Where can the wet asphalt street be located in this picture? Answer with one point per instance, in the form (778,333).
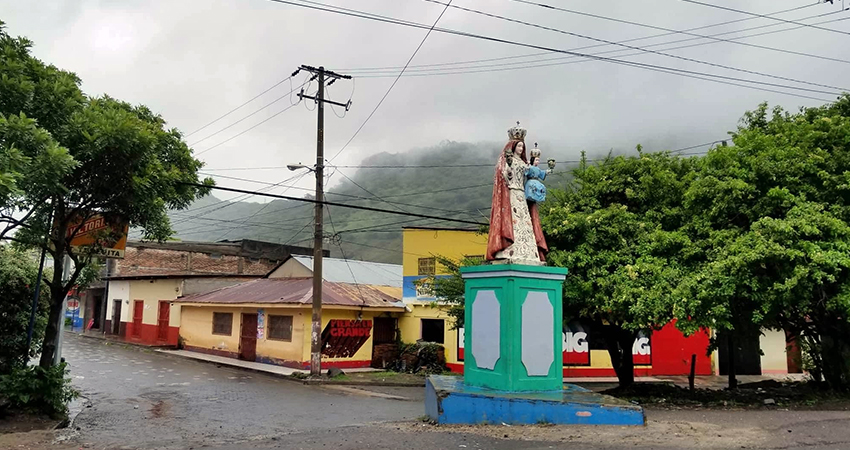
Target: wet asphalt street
(140,399)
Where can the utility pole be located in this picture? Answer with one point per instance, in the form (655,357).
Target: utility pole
(66,274)
(318,238)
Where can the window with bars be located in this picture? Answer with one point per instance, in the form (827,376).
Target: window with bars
(222,323)
(280,328)
(427,266)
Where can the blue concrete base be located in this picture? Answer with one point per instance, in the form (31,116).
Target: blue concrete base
(449,400)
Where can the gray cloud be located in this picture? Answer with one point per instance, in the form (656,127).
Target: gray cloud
(193,60)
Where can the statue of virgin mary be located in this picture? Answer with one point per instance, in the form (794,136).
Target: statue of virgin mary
(515,233)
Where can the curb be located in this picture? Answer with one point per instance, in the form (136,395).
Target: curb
(124,343)
(360,383)
(296,379)
(240,368)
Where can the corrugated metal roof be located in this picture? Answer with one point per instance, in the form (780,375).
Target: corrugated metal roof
(365,272)
(300,291)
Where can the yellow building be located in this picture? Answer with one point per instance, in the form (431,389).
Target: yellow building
(269,319)
(426,320)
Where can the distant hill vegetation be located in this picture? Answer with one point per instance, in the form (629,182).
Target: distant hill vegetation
(455,192)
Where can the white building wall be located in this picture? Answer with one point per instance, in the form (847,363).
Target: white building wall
(119,290)
(773,348)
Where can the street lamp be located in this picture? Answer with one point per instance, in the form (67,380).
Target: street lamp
(299,166)
(316,328)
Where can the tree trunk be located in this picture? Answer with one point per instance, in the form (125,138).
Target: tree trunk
(619,343)
(57,297)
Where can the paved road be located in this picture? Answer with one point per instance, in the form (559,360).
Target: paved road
(143,399)
(152,400)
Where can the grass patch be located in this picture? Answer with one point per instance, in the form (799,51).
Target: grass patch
(382,377)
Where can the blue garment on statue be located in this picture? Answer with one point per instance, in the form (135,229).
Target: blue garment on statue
(535,191)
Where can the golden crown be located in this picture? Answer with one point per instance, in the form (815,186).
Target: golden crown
(516,133)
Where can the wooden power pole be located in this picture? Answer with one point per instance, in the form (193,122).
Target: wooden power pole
(318,238)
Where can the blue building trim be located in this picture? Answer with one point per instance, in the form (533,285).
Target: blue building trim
(409,288)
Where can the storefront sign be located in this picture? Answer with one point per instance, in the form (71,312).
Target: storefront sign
(98,237)
(342,338)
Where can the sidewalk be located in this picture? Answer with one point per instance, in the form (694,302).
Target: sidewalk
(714,382)
(601,383)
(269,369)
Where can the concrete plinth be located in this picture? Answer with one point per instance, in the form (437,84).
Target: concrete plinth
(513,327)
(449,401)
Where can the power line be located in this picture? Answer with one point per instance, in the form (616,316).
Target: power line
(409,60)
(542,5)
(604,45)
(240,106)
(355,197)
(342,205)
(342,252)
(369,192)
(631,47)
(725,8)
(233,201)
(261,209)
(521,65)
(399,166)
(246,117)
(652,67)
(247,130)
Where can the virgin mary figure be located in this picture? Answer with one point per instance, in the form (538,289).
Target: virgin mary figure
(515,232)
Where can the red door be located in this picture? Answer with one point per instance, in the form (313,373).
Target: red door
(162,320)
(248,338)
(138,310)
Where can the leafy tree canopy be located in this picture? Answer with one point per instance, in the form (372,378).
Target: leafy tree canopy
(69,157)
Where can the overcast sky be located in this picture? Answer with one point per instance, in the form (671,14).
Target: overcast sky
(193,60)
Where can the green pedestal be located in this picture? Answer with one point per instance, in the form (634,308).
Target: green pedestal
(513,327)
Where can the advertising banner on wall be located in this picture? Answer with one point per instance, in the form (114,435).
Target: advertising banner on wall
(579,340)
(261,324)
(342,338)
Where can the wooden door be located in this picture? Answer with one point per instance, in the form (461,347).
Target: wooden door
(116,316)
(248,338)
(162,320)
(138,311)
(385,331)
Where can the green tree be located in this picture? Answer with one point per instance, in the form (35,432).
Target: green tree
(125,165)
(618,228)
(17,287)
(770,214)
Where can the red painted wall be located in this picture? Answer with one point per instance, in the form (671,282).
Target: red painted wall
(149,335)
(671,352)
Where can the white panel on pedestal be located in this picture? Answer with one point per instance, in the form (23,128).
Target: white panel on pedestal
(538,332)
(486,336)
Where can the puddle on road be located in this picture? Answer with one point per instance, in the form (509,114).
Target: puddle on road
(159,409)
